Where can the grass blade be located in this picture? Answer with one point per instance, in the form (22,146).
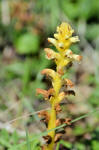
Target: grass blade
(63,125)
(27,140)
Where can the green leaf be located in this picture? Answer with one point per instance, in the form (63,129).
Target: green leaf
(75,49)
(70,9)
(78,130)
(92,31)
(16,68)
(64,143)
(80,146)
(14,138)
(4,135)
(27,139)
(85,8)
(27,43)
(95,145)
(36,145)
(94,97)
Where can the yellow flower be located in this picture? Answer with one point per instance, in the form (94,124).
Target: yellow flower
(63,38)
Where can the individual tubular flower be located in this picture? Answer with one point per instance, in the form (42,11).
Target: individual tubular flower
(62,41)
(44,115)
(68,82)
(56,78)
(50,54)
(72,56)
(62,121)
(46,93)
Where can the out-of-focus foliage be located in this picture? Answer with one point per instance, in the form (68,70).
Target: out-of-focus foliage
(24,28)
(31,43)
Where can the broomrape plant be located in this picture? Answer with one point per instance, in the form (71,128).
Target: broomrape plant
(62,41)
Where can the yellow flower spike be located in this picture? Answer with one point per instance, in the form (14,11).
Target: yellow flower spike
(62,41)
(65,30)
(63,36)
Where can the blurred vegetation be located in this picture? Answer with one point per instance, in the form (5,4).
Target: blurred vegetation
(25,26)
